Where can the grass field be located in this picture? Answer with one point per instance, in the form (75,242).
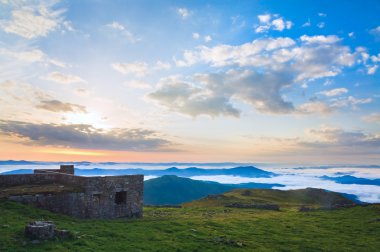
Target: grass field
(201,229)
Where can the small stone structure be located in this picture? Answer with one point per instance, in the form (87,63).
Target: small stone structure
(88,197)
(40,230)
(43,230)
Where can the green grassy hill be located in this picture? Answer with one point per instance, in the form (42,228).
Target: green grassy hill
(292,198)
(201,229)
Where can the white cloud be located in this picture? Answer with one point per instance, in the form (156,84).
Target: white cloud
(372,70)
(63,78)
(122,30)
(307,24)
(266,23)
(271,54)
(183,13)
(351,34)
(185,98)
(375,31)
(196,35)
(320,39)
(334,92)
(116,26)
(33,21)
(265,18)
(136,68)
(375,58)
(321,25)
(366,193)
(208,38)
(322,14)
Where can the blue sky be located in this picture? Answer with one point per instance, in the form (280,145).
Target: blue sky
(256,81)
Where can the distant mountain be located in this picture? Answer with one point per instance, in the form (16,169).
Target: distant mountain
(19,171)
(170,189)
(17,162)
(348,179)
(247,171)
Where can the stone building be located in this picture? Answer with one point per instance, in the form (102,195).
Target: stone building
(61,191)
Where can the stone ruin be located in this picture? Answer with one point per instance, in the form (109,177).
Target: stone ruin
(60,191)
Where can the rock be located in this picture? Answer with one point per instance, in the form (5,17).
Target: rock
(40,230)
(62,233)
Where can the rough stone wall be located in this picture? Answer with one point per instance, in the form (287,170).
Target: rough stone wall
(72,204)
(40,179)
(98,199)
(101,196)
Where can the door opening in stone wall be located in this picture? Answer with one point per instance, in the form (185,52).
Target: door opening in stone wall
(121,197)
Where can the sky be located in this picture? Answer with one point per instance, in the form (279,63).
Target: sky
(190,81)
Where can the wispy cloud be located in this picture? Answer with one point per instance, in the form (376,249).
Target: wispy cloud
(123,31)
(136,68)
(184,13)
(59,106)
(63,78)
(334,92)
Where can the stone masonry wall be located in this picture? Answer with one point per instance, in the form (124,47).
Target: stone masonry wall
(99,198)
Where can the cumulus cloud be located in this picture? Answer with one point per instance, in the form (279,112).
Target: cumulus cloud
(304,61)
(136,68)
(375,31)
(33,21)
(208,38)
(58,106)
(183,97)
(63,78)
(213,94)
(85,136)
(320,39)
(334,92)
(372,70)
(266,67)
(272,22)
(183,13)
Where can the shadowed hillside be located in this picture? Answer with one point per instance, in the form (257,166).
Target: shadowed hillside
(171,189)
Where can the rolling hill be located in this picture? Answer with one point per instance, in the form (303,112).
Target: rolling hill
(292,198)
(173,190)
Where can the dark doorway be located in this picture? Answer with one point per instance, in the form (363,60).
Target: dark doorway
(121,197)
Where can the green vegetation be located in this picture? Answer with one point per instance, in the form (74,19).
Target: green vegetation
(202,229)
(310,197)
